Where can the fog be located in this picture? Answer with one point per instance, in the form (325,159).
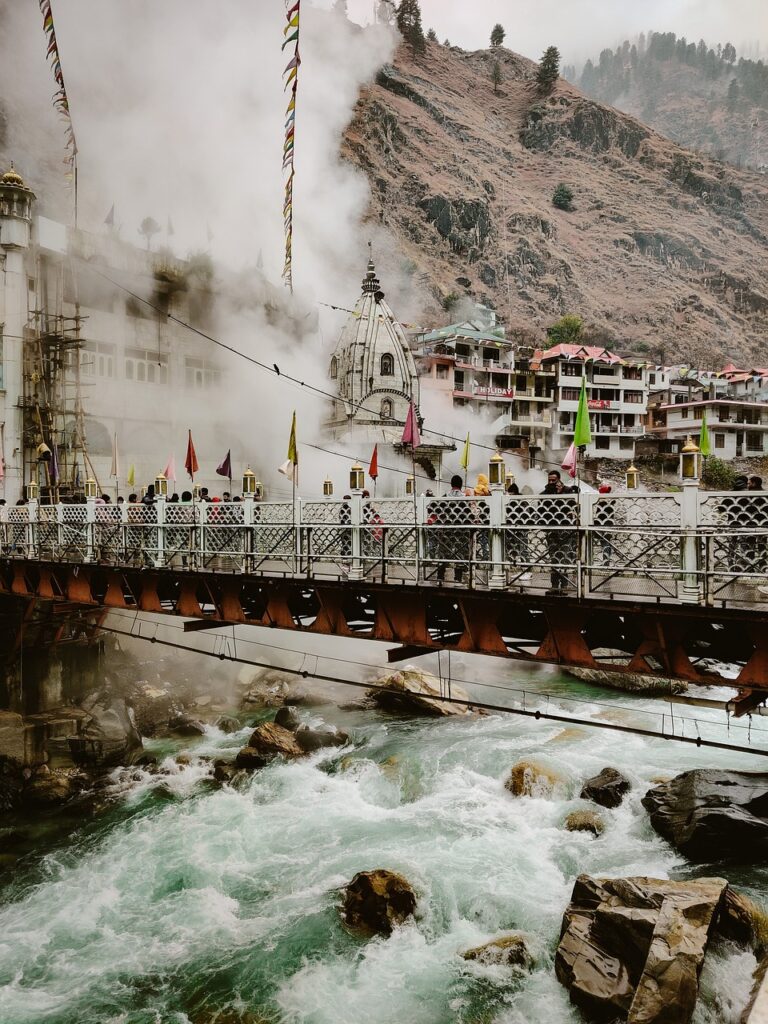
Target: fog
(582,28)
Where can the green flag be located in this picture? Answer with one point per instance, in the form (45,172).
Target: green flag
(704,435)
(582,433)
(465,455)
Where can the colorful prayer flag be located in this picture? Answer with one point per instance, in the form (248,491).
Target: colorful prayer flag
(582,434)
(190,462)
(465,455)
(411,433)
(704,446)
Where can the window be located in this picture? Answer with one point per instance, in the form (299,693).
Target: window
(334,368)
(631,373)
(386,409)
(719,440)
(684,414)
(201,373)
(633,397)
(146,367)
(571,369)
(97,359)
(626,444)
(754,441)
(570,394)
(602,442)
(651,378)
(441,371)
(387,365)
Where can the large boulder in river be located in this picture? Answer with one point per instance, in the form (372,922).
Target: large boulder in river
(529,778)
(631,949)
(110,736)
(585,821)
(607,788)
(376,901)
(267,742)
(510,950)
(710,815)
(315,739)
(420,693)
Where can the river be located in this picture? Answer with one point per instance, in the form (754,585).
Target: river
(186,903)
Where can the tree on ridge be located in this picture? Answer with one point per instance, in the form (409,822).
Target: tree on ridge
(549,70)
(409,22)
(496,76)
(497,35)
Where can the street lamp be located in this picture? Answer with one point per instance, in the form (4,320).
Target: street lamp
(496,470)
(410,485)
(356,477)
(32,490)
(509,479)
(632,478)
(249,483)
(327,487)
(161,486)
(689,461)
(196,492)
(90,487)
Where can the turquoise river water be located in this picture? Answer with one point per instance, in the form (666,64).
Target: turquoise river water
(185,902)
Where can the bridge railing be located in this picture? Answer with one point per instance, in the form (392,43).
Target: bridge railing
(701,547)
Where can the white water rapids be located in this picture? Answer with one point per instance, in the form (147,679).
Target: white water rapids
(185,899)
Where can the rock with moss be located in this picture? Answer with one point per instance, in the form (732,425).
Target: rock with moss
(585,821)
(417,692)
(530,778)
(509,950)
(267,742)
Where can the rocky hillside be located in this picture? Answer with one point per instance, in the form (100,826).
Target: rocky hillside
(663,254)
(700,96)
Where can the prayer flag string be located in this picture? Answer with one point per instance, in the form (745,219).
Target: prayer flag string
(291,75)
(60,99)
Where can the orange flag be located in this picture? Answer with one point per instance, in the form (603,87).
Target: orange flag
(373,469)
(190,463)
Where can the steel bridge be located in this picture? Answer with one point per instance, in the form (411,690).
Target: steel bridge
(662,584)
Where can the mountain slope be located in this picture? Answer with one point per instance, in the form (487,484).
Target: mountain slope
(663,254)
(700,97)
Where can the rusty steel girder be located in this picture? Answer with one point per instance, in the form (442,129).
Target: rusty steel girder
(669,640)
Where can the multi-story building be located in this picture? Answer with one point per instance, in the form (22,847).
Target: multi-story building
(89,355)
(617,395)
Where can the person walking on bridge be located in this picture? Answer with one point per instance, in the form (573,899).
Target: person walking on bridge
(558,516)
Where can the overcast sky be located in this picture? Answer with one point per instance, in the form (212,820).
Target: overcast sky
(581,28)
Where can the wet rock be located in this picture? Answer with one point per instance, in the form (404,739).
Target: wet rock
(629,682)
(743,922)
(376,901)
(632,948)
(528,778)
(228,724)
(606,789)
(110,736)
(184,725)
(183,760)
(12,745)
(509,950)
(585,821)
(709,814)
(224,771)
(152,708)
(314,739)
(417,692)
(287,718)
(267,742)
(48,789)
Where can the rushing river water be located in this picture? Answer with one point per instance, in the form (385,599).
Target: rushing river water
(184,900)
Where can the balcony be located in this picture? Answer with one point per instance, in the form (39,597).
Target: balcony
(531,393)
(543,419)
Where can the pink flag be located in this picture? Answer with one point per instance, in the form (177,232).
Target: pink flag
(170,469)
(569,462)
(411,434)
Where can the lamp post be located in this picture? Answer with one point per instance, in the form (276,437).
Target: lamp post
(249,483)
(632,478)
(161,486)
(509,479)
(327,487)
(410,485)
(33,490)
(90,489)
(690,456)
(496,470)
(196,492)
(690,459)
(356,477)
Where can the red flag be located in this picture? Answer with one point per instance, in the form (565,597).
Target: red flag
(411,434)
(190,463)
(225,469)
(373,469)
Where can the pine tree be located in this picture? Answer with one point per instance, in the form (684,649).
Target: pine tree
(409,22)
(432,35)
(562,197)
(549,70)
(734,94)
(496,76)
(497,35)
(729,53)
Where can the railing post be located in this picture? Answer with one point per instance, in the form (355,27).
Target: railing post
(585,542)
(90,528)
(247,532)
(160,520)
(497,578)
(689,588)
(33,527)
(356,518)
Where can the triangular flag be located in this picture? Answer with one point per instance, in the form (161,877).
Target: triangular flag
(190,462)
(225,469)
(411,434)
(582,434)
(704,446)
(569,462)
(373,469)
(131,481)
(109,220)
(170,470)
(465,455)
(290,467)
